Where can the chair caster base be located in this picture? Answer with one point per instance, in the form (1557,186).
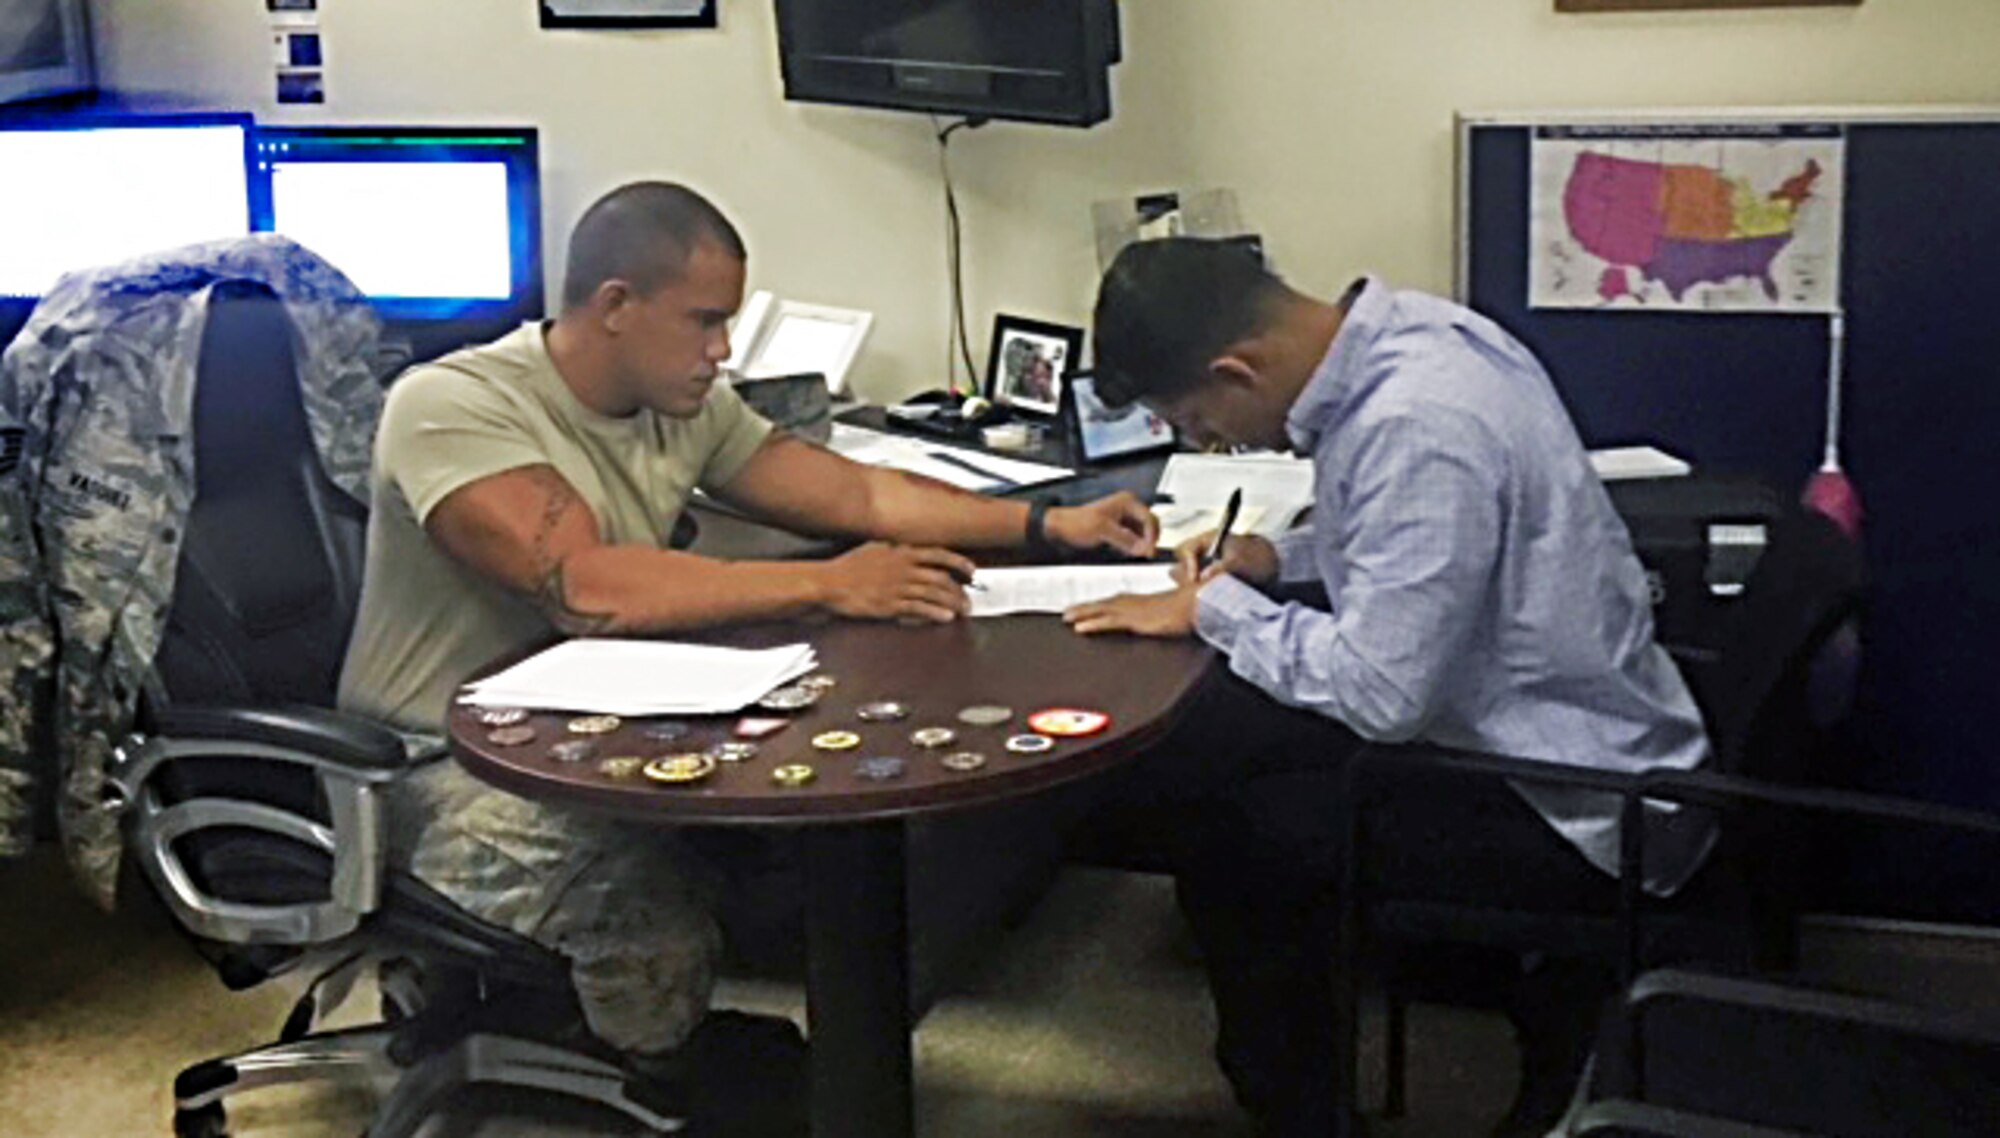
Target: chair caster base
(210,1121)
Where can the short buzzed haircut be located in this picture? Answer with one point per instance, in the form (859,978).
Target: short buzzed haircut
(643,234)
(1168,307)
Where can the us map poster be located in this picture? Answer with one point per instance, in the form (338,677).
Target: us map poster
(1702,218)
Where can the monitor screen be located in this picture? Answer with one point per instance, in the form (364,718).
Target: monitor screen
(105,190)
(428,222)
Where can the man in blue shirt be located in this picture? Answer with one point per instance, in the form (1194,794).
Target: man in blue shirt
(1480,593)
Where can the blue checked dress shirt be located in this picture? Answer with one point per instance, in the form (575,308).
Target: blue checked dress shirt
(1483,592)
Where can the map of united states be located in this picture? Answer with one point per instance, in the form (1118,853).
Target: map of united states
(1681,225)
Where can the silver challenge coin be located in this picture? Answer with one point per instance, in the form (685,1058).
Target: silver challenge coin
(883,711)
(500,716)
(1029,744)
(985,715)
(963,762)
(797,697)
(572,750)
(821,683)
(665,731)
(931,738)
(732,751)
(881,768)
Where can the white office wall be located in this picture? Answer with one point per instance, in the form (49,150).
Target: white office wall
(1331,118)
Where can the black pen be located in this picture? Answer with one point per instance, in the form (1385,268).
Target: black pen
(1229,513)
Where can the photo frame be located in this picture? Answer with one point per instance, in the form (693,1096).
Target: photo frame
(1029,362)
(613,14)
(1103,434)
(44,50)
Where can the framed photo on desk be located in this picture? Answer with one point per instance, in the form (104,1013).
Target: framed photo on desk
(1029,363)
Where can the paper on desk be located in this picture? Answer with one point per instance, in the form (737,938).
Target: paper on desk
(1279,486)
(1614,464)
(1179,523)
(965,469)
(1053,588)
(642,677)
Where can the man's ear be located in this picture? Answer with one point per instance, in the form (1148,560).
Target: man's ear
(1233,370)
(613,302)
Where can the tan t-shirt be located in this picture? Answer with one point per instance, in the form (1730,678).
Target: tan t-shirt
(426,620)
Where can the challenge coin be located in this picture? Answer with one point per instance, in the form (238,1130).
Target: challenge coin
(881,768)
(1029,744)
(1068,722)
(963,762)
(819,682)
(793,774)
(797,697)
(665,731)
(985,714)
(836,740)
(511,736)
(621,766)
(733,751)
(680,768)
(595,724)
(572,750)
(500,716)
(882,711)
(931,738)
(756,727)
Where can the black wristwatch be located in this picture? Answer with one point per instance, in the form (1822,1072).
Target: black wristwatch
(1039,544)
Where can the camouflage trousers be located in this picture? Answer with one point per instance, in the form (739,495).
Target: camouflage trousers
(629,906)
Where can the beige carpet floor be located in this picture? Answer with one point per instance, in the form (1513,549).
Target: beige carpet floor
(1090,1020)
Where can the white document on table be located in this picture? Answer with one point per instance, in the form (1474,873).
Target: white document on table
(966,469)
(1280,486)
(1615,464)
(641,677)
(1179,523)
(1053,588)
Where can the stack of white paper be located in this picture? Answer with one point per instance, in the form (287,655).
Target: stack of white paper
(1279,485)
(642,677)
(1178,523)
(1053,588)
(965,469)
(1615,464)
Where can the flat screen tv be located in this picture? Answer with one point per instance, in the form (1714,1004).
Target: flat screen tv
(1029,60)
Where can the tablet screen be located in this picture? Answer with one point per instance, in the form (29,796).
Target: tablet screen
(1104,433)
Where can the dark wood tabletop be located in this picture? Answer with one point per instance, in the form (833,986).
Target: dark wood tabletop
(1026,663)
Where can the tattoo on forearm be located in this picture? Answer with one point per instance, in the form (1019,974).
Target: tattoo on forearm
(549,591)
(554,600)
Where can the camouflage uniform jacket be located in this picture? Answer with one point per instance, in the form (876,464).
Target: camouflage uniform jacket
(95,396)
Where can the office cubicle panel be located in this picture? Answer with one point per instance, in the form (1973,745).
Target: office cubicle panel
(1920,285)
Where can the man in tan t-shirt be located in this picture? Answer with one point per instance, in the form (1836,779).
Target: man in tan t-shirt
(529,487)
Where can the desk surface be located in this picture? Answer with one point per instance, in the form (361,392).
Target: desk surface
(1026,663)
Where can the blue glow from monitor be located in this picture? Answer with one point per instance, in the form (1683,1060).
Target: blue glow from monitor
(430,223)
(89,192)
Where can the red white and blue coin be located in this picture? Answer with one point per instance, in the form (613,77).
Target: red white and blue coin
(1068,722)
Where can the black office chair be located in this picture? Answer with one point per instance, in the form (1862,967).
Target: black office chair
(258,813)
(1756,701)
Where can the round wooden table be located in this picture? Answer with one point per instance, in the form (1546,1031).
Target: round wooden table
(853,828)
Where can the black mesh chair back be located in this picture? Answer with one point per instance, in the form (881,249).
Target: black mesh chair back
(270,568)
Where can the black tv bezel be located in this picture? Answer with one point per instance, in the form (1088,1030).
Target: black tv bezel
(1100,49)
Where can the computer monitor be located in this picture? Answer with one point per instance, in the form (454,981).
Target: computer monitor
(94,190)
(431,223)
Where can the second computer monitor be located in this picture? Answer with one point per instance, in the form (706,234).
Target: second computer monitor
(431,223)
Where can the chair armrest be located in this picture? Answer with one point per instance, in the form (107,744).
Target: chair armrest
(350,760)
(1727,791)
(1617,1118)
(1664,986)
(313,734)
(1375,758)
